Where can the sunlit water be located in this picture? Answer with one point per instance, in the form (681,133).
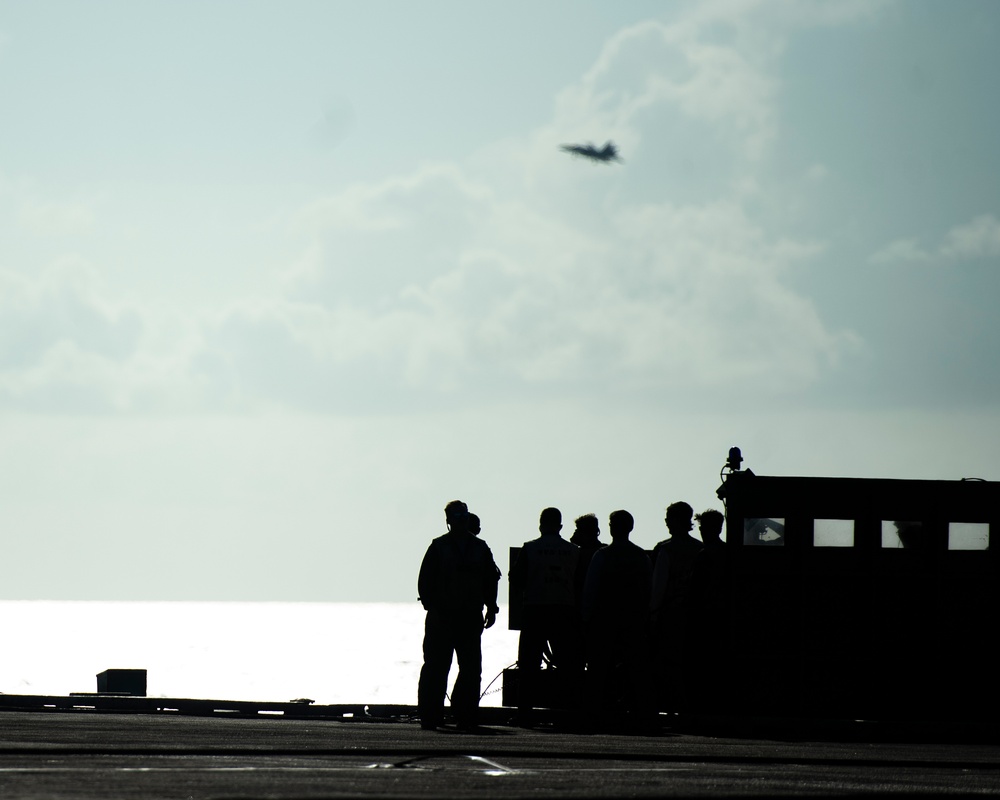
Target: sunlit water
(329,652)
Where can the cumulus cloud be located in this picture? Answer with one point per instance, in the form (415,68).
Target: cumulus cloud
(978,238)
(516,271)
(58,307)
(659,297)
(54,330)
(65,347)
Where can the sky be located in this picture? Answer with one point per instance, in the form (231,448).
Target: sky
(279,280)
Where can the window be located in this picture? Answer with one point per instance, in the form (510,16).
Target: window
(968,535)
(833,533)
(767,531)
(902,534)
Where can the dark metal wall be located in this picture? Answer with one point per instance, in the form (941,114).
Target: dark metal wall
(866,632)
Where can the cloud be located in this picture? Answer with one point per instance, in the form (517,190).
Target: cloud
(515,273)
(59,339)
(900,250)
(714,64)
(978,238)
(655,64)
(65,347)
(59,307)
(517,299)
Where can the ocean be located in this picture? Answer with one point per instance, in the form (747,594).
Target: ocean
(328,652)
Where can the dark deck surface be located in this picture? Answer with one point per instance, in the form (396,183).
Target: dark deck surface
(62,753)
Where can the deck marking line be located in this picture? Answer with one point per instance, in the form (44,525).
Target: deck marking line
(496,769)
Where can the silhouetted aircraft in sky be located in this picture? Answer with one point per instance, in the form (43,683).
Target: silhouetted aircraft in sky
(607,153)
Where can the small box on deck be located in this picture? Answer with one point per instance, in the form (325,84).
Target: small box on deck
(122,681)
(553,689)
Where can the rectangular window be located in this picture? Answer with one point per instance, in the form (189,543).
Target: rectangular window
(902,534)
(968,535)
(765,531)
(833,533)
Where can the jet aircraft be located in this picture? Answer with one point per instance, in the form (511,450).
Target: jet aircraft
(607,153)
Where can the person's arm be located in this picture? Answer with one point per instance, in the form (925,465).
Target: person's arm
(491,586)
(428,579)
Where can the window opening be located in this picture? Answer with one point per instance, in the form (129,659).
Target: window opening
(764,531)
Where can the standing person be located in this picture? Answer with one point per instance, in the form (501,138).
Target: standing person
(673,568)
(586,536)
(615,613)
(707,618)
(710,525)
(545,570)
(458,578)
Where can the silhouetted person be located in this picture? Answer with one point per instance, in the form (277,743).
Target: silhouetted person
(458,578)
(707,615)
(475,525)
(710,525)
(616,613)
(586,537)
(546,569)
(912,535)
(673,561)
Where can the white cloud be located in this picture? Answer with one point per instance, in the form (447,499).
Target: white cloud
(900,250)
(978,238)
(660,297)
(655,63)
(65,347)
(58,306)
(519,271)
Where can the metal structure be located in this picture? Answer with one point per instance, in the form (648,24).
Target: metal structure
(861,598)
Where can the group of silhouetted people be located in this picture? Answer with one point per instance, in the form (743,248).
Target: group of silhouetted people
(628,634)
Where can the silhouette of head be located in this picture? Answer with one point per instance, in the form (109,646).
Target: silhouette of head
(456,514)
(679,518)
(587,528)
(620,523)
(473,524)
(550,520)
(911,535)
(710,524)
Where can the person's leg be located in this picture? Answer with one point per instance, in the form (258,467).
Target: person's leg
(601,658)
(438,648)
(465,695)
(640,696)
(566,641)
(530,645)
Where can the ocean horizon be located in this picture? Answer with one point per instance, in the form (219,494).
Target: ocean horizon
(328,652)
